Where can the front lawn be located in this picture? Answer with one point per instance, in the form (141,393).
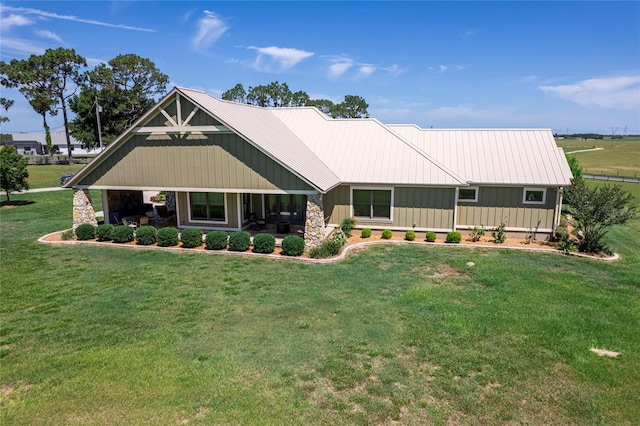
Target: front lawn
(100,335)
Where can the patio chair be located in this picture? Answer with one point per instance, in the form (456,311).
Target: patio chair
(255,223)
(130,224)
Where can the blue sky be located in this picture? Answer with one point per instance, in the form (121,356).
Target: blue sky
(558,65)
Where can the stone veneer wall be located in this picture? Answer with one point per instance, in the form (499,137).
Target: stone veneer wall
(83,211)
(314,223)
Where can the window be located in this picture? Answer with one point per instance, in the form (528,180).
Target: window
(534,196)
(372,203)
(469,195)
(208,206)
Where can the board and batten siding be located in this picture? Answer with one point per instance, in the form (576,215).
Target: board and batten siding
(182,199)
(496,205)
(426,208)
(220,161)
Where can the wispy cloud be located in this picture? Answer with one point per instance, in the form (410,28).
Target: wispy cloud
(20,46)
(210,28)
(468,111)
(275,58)
(394,69)
(14,20)
(45,14)
(465,35)
(50,35)
(615,92)
(365,71)
(339,65)
(440,69)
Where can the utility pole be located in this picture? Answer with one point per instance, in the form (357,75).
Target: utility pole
(98,111)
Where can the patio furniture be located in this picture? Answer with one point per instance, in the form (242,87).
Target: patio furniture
(283,227)
(255,223)
(130,222)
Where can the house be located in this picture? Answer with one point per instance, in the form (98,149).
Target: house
(26,147)
(220,162)
(58,140)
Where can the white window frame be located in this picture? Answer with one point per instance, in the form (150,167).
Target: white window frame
(471,200)
(217,222)
(372,188)
(524,195)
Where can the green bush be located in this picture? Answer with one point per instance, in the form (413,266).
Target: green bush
(122,234)
(347,225)
(67,235)
(431,237)
(566,246)
(146,235)
(264,243)
(366,233)
(168,237)
(453,237)
(103,232)
(386,234)
(240,241)
(477,232)
(86,231)
(191,238)
(330,247)
(293,245)
(216,240)
(410,235)
(499,234)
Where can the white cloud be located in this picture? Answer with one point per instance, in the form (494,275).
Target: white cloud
(45,14)
(50,35)
(366,70)
(20,46)
(468,111)
(394,69)
(616,92)
(210,28)
(274,58)
(15,21)
(339,65)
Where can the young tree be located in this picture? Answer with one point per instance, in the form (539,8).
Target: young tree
(54,75)
(596,210)
(124,89)
(13,170)
(576,171)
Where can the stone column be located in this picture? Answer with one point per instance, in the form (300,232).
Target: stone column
(314,223)
(83,211)
(170,200)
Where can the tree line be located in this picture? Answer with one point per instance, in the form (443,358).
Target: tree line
(121,91)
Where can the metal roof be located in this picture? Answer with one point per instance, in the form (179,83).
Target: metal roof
(494,156)
(264,130)
(364,150)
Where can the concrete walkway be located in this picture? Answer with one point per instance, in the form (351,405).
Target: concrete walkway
(585,150)
(31,191)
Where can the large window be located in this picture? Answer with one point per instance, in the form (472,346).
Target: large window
(372,203)
(207,206)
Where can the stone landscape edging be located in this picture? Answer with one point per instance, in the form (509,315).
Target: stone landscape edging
(341,256)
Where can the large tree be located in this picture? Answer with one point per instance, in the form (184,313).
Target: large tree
(123,89)
(52,76)
(352,107)
(13,170)
(596,210)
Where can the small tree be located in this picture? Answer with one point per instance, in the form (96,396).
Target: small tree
(13,170)
(598,209)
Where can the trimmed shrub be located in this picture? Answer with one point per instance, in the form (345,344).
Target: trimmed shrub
(67,235)
(386,234)
(191,238)
(146,235)
(410,235)
(264,243)
(293,245)
(453,237)
(347,225)
(366,233)
(103,232)
(216,240)
(122,234)
(330,247)
(240,241)
(168,237)
(431,237)
(86,231)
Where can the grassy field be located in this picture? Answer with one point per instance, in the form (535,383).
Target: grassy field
(617,157)
(101,335)
(47,176)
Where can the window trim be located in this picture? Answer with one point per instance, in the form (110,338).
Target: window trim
(372,188)
(469,200)
(217,222)
(524,195)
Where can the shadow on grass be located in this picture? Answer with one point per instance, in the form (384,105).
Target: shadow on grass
(16,203)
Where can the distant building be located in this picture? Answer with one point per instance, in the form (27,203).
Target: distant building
(58,139)
(27,147)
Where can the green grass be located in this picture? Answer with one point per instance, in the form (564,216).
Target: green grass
(47,176)
(619,157)
(101,335)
